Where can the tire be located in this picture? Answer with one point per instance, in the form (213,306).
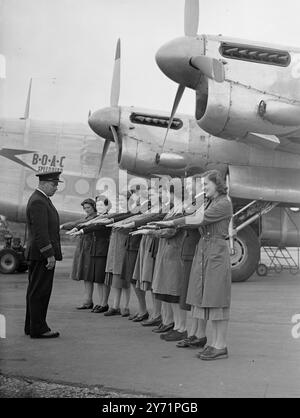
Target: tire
(262,270)
(9,261)
(247,254)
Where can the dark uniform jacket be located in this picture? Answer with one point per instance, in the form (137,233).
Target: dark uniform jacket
(100,239)
(101,235)
(43,229)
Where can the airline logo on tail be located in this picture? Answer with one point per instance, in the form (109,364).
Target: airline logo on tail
(39,162)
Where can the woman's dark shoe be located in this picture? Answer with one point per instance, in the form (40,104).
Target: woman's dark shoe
(85,306)
(207,347)
(212,353)
(171,331)
(175,336)
(141,318)
(164,328)
(152,322)
(133,316)
(95,307)
(157,329)
(113,312)
(126,313)
(100,309)
(186,342)
(199,342)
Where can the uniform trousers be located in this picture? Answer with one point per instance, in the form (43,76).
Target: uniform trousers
(37,298)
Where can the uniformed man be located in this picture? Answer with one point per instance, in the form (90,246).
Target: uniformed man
(42,252)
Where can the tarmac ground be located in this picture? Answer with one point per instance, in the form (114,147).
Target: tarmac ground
(98,356)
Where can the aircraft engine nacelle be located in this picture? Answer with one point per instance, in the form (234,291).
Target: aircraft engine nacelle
(142,134)
(231,112)
(259,93)
(141,159)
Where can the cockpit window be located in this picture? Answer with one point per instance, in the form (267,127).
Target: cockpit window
(155,120)
(255,54)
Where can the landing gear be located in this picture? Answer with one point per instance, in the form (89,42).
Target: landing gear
(245,254)
(243,241)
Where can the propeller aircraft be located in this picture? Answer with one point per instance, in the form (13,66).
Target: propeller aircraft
(245,125)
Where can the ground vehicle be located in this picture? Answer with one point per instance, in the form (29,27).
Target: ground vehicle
(12,257)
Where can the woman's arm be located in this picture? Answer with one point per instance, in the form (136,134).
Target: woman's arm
(141,220)
(194,220)
(222,209)
(70,225)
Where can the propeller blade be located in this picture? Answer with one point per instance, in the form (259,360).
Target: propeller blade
(27,108)
(116,139)
(104,152)
(115,85)
(210,67)
(191,17)
(178,97)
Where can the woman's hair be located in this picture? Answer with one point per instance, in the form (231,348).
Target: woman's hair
(216,177)
(89,202)
(105,201)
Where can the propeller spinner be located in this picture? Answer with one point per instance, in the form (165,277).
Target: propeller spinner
(180,59)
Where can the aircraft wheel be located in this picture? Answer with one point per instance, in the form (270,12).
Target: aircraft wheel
(246,255)
(262,270)
(9,261)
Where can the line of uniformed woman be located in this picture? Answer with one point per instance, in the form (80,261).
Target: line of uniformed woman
(182,257)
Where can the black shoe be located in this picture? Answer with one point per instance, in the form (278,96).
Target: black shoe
(95,308)
(126,313)
(48,334)
(152,322)
(162,336)
(212,353)
(141,318)
(84,306)
(199,342)
(112,312)
(175,336)
(133,316)
(101,309)
(164,328)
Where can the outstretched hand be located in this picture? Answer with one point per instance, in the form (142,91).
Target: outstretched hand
(72,231)
(163,224)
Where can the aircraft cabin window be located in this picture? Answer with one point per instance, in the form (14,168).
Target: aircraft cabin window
(154,120)
(254,54)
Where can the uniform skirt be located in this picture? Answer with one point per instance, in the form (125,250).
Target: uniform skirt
(115,258)
(188,251)
(82,259)
(96,272)
(210,278)
(145,261)
(212,314)
(169,269)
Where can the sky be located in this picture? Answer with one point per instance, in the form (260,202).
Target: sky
(68,46)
